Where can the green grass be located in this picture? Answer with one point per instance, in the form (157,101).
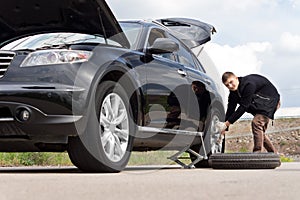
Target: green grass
(35,158)
(286,159)
(243,149)
(62,159)
(151,158)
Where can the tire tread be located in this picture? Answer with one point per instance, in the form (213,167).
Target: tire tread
(244,161)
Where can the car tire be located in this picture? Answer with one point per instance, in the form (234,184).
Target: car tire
(107,142)
(213,142)
(244,161)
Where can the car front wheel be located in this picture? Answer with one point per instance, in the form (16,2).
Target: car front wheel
(107,142)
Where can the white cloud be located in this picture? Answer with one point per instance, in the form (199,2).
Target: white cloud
(295,4)
(290,42)
(159,8)
(245,4)
(241,59)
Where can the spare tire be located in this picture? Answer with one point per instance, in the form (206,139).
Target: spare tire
(244,161)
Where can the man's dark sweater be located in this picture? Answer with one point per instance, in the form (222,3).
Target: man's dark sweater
(248,86)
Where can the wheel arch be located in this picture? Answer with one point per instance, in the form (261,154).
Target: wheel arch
(125,78)
(219,105)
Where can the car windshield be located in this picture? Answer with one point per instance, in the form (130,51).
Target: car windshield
(50,40)
(132,31)
(55,40)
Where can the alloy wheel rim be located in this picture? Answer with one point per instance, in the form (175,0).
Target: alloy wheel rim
(114,127)
(215,136)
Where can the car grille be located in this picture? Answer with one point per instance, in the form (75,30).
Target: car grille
(5,60)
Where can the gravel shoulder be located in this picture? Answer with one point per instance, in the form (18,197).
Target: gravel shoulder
(284,134)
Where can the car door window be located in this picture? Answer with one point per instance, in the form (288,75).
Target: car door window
(154,34)
(198,65)
(158,33)
(185,58)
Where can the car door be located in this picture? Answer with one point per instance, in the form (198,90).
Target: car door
(198,91)
(166,94)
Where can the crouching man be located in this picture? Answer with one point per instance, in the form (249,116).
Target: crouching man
(254,94)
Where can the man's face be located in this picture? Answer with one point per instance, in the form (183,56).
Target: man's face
(232,83)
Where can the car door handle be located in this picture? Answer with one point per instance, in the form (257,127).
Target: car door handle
(181,72)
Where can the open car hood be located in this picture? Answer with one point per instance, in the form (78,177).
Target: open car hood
(20,18)
(192,32)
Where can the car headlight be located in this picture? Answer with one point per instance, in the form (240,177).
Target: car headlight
(52,57)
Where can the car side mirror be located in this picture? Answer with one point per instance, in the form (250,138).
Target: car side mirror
(163,45)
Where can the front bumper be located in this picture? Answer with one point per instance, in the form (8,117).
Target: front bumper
(54,111)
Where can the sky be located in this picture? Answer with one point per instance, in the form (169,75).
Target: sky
(253,36)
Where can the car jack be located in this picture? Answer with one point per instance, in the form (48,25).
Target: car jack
(177,157)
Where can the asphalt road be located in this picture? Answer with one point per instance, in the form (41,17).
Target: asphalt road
(150,182)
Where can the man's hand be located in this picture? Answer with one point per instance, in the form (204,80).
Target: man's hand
(221,127)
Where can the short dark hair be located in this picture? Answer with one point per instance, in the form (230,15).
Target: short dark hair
(226,76)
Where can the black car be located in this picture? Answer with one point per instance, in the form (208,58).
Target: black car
(73,78)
